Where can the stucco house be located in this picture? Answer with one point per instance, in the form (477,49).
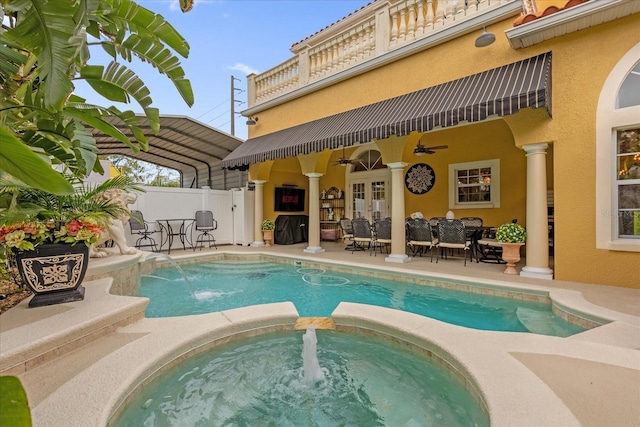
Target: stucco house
(537,103)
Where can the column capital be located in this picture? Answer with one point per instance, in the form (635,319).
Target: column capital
(536,148)
(259,181)
(312,175)
(397,165)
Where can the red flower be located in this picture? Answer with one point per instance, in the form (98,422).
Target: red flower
(73,227)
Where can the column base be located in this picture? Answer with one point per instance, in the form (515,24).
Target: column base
(537,273)
(399,258)
(313,249)
(256,243)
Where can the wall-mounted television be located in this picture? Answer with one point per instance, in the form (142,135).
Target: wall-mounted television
(289,199)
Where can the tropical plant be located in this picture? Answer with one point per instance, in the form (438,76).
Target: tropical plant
(36,217)
(45,47)
(511,232)
(268,224)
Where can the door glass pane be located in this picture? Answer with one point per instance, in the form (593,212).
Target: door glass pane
(378,200)
(359,207)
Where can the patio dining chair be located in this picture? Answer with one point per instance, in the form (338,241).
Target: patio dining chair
(452,235)
(140,227)
(420,236)
(382,233)
(362,235)
(205,224)
(347,232)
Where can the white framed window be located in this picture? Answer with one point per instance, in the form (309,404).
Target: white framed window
(474,185)
(618,157)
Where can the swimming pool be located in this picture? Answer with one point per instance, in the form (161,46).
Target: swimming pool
(225,284)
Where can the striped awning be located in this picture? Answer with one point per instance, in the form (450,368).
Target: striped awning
(500,91)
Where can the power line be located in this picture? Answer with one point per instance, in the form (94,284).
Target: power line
(222,103)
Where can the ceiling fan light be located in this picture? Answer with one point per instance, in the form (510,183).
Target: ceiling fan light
(418,152)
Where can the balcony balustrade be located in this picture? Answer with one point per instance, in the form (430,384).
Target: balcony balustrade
(370,32)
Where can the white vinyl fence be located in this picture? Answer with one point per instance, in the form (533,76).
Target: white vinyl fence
(162,203)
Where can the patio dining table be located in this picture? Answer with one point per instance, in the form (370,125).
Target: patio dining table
(175,227)
(475,233)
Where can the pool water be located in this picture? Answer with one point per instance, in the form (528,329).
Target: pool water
(222,285)
(259,382)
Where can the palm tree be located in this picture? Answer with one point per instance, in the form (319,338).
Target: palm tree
(44,47)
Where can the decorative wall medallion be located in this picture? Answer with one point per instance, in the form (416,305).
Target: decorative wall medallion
(420,178)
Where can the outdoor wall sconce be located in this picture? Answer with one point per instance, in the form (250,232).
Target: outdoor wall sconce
(485,39)
(252,121)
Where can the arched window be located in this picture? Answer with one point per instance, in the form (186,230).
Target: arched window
(618,157)
(367,161)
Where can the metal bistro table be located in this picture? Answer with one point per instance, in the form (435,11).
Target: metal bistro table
(175,227)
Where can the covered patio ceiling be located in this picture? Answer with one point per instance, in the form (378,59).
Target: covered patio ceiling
(498,92)
(184,144)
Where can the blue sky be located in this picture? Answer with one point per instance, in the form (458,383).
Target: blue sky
(234,37)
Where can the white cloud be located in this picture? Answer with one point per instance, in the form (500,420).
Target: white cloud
(243,68)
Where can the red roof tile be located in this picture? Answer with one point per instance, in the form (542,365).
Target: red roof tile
(523,19)
(331,25)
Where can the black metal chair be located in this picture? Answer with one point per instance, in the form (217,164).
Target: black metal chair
(361,234)
(452,235)
(140,227)
(205,224)
(420,236)
(382,235)
(347,232)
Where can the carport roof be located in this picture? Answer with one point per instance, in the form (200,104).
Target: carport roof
(183,143)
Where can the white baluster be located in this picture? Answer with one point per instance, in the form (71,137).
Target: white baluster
(334,56)
(460,9)
(430,16)
(449,10)
(325,61)
(353,41)
(420,18)
(394,27)
(360,38)
(482,4)
(402,30)
(341,53)
(366,43)
(411,28)
(440,16)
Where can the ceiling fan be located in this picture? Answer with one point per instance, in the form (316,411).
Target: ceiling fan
(344,161)
(421,149)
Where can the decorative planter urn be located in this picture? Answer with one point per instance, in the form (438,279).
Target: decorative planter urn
(53,272)
(267,236)
(511,255)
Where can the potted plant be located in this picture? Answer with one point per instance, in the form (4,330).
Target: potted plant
(511,236)
(267,231)
(46,237)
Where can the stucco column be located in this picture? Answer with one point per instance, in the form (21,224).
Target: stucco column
(398,243)
(259,212)
(537,221)
(314,213)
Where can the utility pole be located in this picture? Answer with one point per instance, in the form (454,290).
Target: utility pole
(233,104)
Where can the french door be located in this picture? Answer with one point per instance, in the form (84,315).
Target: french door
(370,198)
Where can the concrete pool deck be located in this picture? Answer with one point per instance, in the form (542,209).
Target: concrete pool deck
(77,361)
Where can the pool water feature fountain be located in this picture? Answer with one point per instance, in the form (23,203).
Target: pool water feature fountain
(177,266)
(312,370)
(367,381)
